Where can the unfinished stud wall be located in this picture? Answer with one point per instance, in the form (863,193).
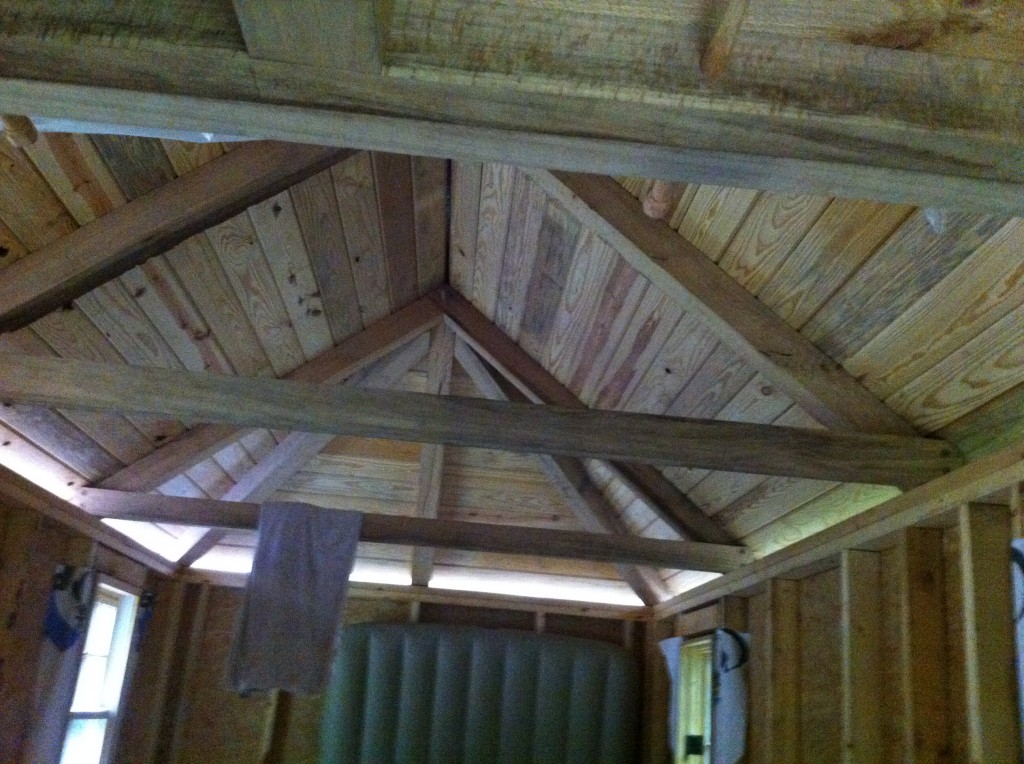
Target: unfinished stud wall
(904,653)
(181,711)
(31,547)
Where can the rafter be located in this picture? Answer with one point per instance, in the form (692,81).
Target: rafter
(428,490)
(540,386)
(152,224)
(471,422)
(785,357)
(439,534)
(345,359)
(590,506)
(288,457)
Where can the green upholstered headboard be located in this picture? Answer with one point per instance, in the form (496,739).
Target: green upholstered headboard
(442,694)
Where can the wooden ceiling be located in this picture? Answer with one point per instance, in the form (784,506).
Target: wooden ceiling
(824,310)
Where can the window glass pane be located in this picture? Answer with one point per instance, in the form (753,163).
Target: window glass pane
(84,741)
(89,689)
(101,629)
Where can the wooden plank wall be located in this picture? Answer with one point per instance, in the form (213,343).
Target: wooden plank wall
(250,296)
(901,654)
(31,546)
(197,719)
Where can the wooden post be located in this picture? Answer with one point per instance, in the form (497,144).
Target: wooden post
(860,625)
(923,659)
(656,694)
(194,645)
(993,727)
(782,702)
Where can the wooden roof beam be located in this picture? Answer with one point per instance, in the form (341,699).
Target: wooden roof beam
(333,365)
(919,151)
(540,386)
(587,502)
(151,224)
(471,422)
(427,532)
(290,455)
(787,359)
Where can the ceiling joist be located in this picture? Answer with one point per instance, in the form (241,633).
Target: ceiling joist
(540,386)
(427,532)
(342,361)
(152,224)
(290,455)
(519,427)
(588,503)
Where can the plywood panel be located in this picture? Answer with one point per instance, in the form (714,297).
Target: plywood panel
(220,725)
(118,316)
(138,164)
(186,156)
(624,292)
(681,355)
(828,509)
(240,254)
(76,173)
(28,206)
(196,22)
(656,317)
(713,217)
(557,248)
(719,379)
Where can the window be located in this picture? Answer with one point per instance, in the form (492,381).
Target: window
(108,642)
(694,703)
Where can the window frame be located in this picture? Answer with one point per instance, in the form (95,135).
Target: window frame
(693,701)
(122,592)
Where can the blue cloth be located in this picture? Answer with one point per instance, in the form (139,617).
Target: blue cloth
(67,609)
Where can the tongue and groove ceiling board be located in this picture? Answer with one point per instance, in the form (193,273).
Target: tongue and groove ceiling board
(923,307)
(920,307)
(244,297)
